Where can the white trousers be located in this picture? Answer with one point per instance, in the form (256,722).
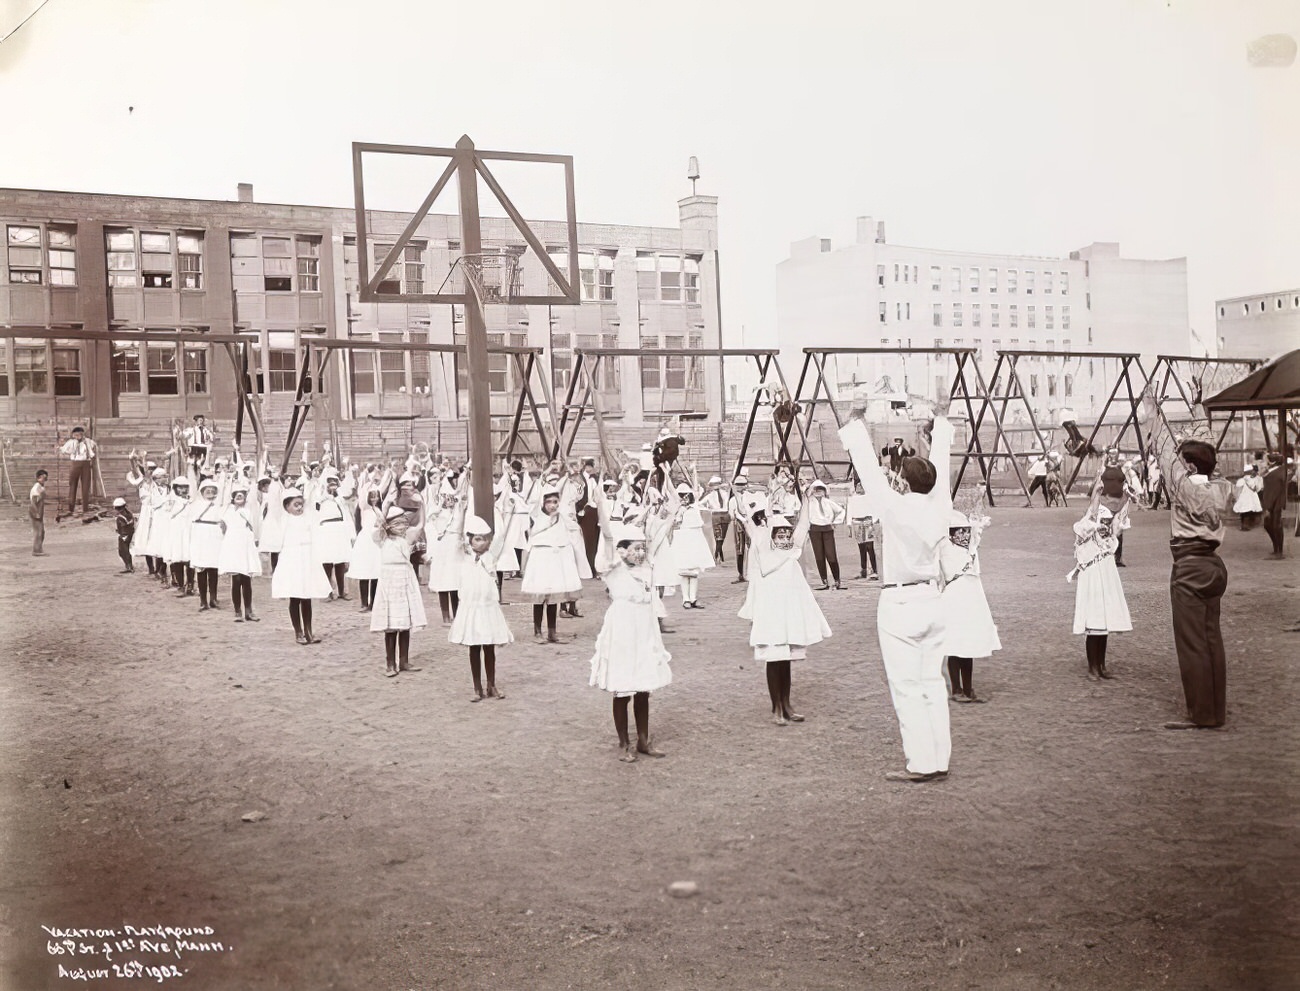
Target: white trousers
(910,624)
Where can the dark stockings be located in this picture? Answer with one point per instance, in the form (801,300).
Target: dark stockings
(207,588)
(959,673)
(368,586)
(448,602)
(300,614)
(275,559)
(1095,646)
(397,650)
(485,657)
(552,615)
(867,553)
(778,687)
(641,713)
(241,590)
(335,573)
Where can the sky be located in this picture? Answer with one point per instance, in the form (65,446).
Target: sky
(1018,126)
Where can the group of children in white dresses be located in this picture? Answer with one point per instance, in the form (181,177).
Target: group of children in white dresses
(651,543)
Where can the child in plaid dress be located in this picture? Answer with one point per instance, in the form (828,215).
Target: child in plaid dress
(398,607)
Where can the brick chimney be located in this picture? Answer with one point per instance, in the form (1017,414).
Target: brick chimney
(245,192)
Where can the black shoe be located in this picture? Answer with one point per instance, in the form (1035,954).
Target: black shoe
(739,581)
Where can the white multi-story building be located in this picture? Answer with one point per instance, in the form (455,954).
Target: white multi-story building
(873,294)
(1260,326)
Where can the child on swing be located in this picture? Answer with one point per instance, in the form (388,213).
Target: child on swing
(630,660)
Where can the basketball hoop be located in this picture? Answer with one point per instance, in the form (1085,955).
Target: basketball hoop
(491,276)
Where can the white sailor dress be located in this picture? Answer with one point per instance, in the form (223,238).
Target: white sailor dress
(364,563)
(969,630)
(662,558)
(691,550)
(239,554)
(784,614)
(271,538)
(298,573)
(334,530)
(149,531)
(551,573)
(630,655)
(176,514)
(205,534)
(479,620)
(1099,603)
(444,550)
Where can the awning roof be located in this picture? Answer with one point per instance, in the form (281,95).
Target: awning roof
(1275,386)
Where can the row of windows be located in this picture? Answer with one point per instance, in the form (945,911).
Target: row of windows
(275,263)
(1262,306)
(976,279)
(154,259)
(903,311)
(42,255)
(42,368)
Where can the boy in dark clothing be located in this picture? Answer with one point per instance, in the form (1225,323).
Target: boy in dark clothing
(125,531)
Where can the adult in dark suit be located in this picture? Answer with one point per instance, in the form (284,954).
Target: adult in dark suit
(588,520)
(1273,500)
(896,452)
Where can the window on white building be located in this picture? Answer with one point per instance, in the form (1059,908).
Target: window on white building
(1065,283)
(973,279)
(884,309)
(993,280)
(880,275)
(1047,282)
(1012,279)
(1015,315)
(1032,320)
(1065,318)
(975,315)
(956,314)
(1029,282)
(995,315)
(954,279)
(938,314)
(1049,320)
(936,278)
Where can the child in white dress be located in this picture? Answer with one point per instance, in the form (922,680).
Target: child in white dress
(364,563)
(551,571)
(785,616)
(969,631)
(205,541)
(239,557)
(444,539)
(398,607)
(480,624)
(691,550)
(299,575)
(630,659)
(1099,605)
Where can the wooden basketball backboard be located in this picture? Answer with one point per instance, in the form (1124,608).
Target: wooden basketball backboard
(466,161)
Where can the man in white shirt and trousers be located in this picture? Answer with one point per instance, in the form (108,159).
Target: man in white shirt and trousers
(80,452)
(909,620)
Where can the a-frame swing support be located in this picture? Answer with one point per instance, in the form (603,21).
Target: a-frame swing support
(583,398)
(814,390)
(314,361)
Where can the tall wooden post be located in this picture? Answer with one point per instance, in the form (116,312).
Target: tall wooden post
(476,357)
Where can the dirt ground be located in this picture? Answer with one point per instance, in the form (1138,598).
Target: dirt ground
(412,840)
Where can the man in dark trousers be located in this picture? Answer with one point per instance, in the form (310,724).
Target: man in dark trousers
(588,520)
(80,452)
(1199,577)
(1273,500)
(896,452)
